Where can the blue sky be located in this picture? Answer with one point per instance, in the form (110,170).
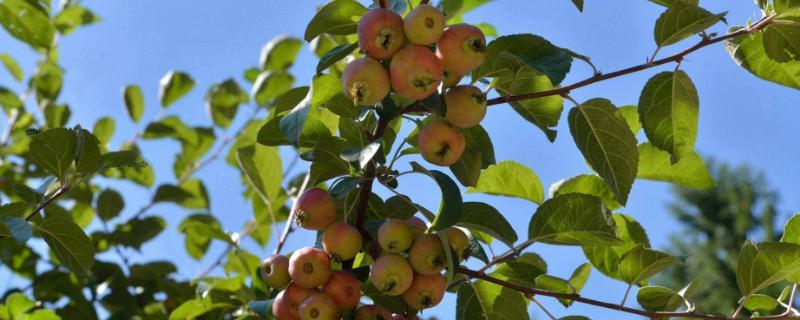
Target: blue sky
(742,119)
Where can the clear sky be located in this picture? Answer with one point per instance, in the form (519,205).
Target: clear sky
(742,119)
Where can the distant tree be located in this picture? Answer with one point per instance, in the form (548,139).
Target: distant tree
(716,222)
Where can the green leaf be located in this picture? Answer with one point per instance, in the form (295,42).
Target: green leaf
(668,109)
(681,21)
(361,156)
(478,155)
(573,219)
(606,258)
(192,309)
(555,284)
(532,50)
(54,150)
(109,204)
(271,85)
(48,81)
(9,100)
(222,102)
(327,161)
(766,263)
(16,227)
(199,230)
(631,115)
(655,299)
(640,263)
(791,231)
(12,66)
(485,218)
(781,6)
(104,129)
(68,242)
(57,116)
(452,205)
(335,55)
(291,125)
(26,23)
(579,277)
(748,52)
(587,184)
(135,232)
(522,270)
(338,17)
(455,9)
(134,102)
(760,302)
(262,167)
(72,17)
(578,4)
(174,85)
(782,40)
(323,88)
(87,159)
(518,78)
(607,143)
(512,179)
(481,300)
(691,171)
(191,194)
(290,99)
(668,3)
(279,53)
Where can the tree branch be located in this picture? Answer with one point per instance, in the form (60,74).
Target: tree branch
(287,229)
(612,306)
(678,57)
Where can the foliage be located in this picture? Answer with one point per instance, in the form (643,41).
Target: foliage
(55,180)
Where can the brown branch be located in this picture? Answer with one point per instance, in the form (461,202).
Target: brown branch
(287,228)
(678,57)
(47,201)
(612,306)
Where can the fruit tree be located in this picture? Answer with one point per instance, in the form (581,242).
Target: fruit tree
(400,90)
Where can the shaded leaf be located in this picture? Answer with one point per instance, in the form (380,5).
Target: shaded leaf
(668,109)
(485,218)
(573,219)
(68,242)
(338,17)
(134,102)
(682,20)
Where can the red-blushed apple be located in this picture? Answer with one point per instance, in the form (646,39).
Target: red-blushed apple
(415,72)
(395,236)
(310,267)
(459,241)
(391,274)
(316,209)
(293,296)
(372,312)
(427,255)
(425,291)
(319,306)
(365,81)
(440,143)
(280,308)
(345,289)
(380,33)
(424,25)
(466,106)
(275,271)
(342,241)
(462,48)
(417,226)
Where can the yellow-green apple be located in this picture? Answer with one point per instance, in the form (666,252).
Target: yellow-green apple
(395,236)
(310,267)
(459,241)
(440,143)
(275,271)
(380,33)
(415,72)
(341,241)
(427,255)
(424,25)
(462,48)
(365,81)
(466,106)
(417,226)
(391,274)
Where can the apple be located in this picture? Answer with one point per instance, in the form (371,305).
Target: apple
(315,209)
(293,296)
(391,274)
(380,33)
(424,25)
(372,312)
(417,226)
(342,241)
(459,241)
(440,143)
(395,236)
(466,106)
(462,48)
(345,289)
(310,267)
(427,255)
(275,271)
(280,308)
(425,291)
(365,81)
(415,72)
(319,306)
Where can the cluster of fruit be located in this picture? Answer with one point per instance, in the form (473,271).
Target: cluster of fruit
(420,53)
(410,265)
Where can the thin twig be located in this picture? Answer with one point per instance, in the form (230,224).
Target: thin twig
(47,200)
(547,312)
(287,229)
